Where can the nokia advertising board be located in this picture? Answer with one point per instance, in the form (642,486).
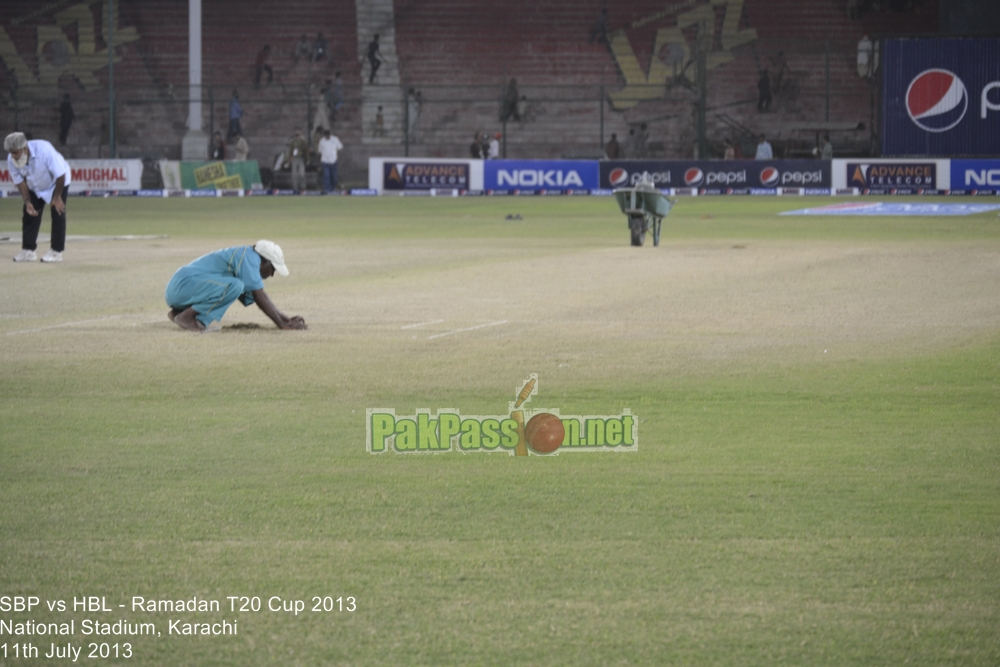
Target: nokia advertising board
(975,175)
(718,176)
(941,97)
(539,175)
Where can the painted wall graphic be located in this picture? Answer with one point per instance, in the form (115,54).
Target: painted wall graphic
(673,55)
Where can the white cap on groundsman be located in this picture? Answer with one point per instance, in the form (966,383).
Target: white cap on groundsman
(271,251)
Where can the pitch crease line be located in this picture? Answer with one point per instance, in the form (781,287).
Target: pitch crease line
(422,324)
(65,324)
(478,326)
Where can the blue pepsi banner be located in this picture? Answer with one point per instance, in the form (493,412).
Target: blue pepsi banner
(535,175)
(941,97)
(718,176)
(976,175)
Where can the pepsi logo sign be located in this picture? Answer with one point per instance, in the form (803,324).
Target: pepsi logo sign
(769,176)
(694,176)
(618,177)
(936,100)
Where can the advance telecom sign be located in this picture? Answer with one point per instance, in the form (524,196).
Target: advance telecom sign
(941,97)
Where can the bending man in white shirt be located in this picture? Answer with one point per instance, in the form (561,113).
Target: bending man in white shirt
(42,177)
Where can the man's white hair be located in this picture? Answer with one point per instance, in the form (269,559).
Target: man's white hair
(15,141)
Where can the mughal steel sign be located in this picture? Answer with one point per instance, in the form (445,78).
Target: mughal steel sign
(92,175)
(941,97)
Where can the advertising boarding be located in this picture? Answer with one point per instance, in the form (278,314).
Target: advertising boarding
(975,175)
(92,175)
(540,175)
(941,97)
(719,176)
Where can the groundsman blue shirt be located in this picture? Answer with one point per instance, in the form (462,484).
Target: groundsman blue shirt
(241,262)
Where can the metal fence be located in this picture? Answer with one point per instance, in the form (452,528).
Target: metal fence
(690,113)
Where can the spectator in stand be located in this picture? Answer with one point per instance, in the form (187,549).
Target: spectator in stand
(599,32)
(42,177)
(337,94)
(319,48)
(866,52)
(522,108)
(414,103)
(509,107)
(218,151)
(379,123)
(642,142)
(630,149)
(235,114)
(298,152)
(328,147)
(494,151)
(321,119)
(728,152)
(261,66)
(826,152)
(374,58)
(242,148)
(764,151)
(764,91)
(476,148)
(303,49)
(612,150)
(66,118)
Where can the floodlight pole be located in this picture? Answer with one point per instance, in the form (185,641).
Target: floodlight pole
(602,118)
(702,75)
(195,144)
(111,79)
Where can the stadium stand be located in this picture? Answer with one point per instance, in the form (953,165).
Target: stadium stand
(459,57)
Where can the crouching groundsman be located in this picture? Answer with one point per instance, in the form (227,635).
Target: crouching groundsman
(200,292)
(42,177)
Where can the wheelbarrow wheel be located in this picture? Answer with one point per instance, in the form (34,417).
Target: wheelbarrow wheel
(637,225)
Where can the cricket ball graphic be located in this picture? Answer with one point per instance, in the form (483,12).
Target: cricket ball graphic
(544,433)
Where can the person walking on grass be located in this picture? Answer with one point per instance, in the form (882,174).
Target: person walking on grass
(42,177)
(201,292)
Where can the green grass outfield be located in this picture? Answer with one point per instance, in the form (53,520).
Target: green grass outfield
(819,485)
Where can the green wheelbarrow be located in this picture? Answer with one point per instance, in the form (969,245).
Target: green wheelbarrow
(645,208)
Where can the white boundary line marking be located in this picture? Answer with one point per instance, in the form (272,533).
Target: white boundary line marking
(65,324)
(478,326)
(422,324)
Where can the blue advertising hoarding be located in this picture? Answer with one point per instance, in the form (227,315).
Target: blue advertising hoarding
(975,175)
(941,97)
(717,175)
(534,175)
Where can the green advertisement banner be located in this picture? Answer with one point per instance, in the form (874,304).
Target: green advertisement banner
(216,175)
